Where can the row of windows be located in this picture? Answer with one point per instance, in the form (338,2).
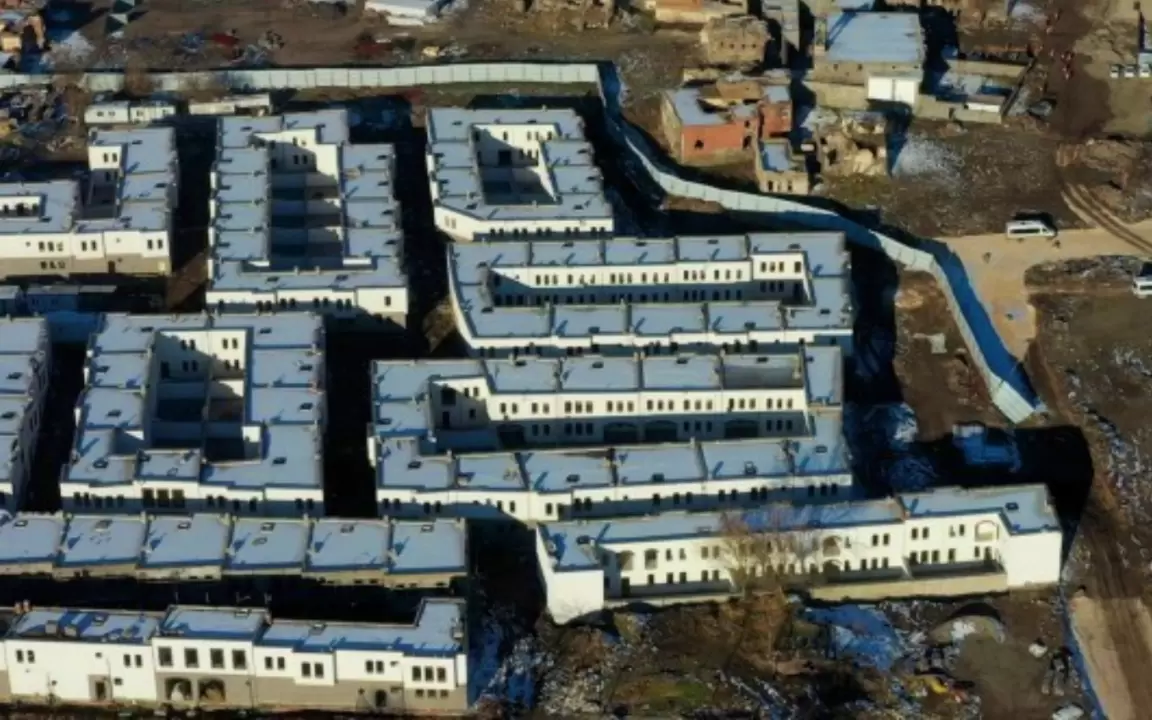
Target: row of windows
(501,231)
(589,429)
(554,279)
(586,504)
(426,674)
(926,557)
(317,303)
(578,407)
(509,300)
(192,658)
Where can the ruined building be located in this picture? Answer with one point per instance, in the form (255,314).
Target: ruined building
(735,41)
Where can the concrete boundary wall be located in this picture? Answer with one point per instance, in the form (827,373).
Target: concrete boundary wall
(1007,385)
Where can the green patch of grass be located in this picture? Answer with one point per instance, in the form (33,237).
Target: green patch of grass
(668,694)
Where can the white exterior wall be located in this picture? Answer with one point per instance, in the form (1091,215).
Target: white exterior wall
(960,544)
(64,670)
(465,226)
(569,594)
(1032,559)
(203,649)
(539,507)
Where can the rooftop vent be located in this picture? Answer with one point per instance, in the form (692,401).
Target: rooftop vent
(103,525)
(347,528)
(100,464)
(573,478)
(657,477)
(99,619)
(21,523)
(267,527)
(598,365)
(279,460)
(594,329)
(242,612)
(8,415)
(749,468)
(14,375)
(427,527)
(1012,507)
(583,540)
(821,449)
(414,465)
(265,331)
(306,406)
(260,541)
(184,525)
(316,629)
(681,361)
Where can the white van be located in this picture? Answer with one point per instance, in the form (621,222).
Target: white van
(1029,228)
(1142,286)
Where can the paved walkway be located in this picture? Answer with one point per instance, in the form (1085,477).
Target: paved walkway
(996,267)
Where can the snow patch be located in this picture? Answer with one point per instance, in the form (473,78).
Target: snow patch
(886,435)
(863,634)
(917,156)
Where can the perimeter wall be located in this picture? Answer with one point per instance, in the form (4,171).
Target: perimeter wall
(1007,385)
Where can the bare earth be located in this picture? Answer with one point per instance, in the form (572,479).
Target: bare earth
(996,267)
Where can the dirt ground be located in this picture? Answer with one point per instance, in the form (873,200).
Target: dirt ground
(1089,364)
(940,383)
(984,176)
(996,268)
(859,663)
(178,34)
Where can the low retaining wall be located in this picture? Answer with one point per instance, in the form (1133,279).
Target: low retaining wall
(1006,383)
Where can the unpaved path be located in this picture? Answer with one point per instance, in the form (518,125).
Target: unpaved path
(996,267)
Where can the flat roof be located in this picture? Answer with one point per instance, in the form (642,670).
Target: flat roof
(227,545)
(282,400)
(875,37)
(118,627)
(361,217)
(636,311)
(438,631)
(564,156)
(147,168)
(687,103)
(1023,509)
(408,460)
(240,624)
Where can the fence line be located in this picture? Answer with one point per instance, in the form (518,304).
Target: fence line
(1006,383)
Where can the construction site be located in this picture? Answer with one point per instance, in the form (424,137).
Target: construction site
(1013,107)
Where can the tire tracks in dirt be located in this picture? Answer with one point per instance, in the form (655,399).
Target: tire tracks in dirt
(1113,602)
(1082,201)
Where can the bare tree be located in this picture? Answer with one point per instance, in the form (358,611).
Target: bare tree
(765,553)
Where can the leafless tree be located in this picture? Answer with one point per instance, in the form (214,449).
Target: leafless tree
(766,555)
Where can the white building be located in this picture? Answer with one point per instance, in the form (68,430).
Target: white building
(625,294)
(943,542)
(304,220)
(25,356)
(118,221)
(206,547)
(201,413)
(237,658)
(732,430)
(509,174)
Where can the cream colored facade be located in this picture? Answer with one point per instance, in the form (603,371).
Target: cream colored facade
(117,222)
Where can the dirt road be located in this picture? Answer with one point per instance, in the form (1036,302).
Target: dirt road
(996,267)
